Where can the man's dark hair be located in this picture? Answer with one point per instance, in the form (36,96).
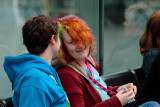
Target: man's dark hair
(37,32)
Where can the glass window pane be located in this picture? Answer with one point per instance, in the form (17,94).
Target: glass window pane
(13,14)
(124,23)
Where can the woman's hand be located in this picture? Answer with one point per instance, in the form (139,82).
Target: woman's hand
(130,86)
(124,97)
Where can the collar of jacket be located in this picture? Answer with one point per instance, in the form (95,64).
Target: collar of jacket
(73,65)
(78,69)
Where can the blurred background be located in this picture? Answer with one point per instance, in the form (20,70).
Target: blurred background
(116,24)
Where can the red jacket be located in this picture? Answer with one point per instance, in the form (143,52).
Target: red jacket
(80,91)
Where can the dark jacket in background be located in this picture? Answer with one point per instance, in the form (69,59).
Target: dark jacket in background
(148,59)
(149,89)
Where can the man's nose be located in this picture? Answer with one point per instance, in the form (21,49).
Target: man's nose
(124,24)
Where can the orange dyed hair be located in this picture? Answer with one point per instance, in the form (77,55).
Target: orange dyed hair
(151,36)
(79,32)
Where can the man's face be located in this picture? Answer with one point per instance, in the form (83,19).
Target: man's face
(129,25)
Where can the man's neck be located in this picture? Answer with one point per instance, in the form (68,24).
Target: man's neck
(46,55)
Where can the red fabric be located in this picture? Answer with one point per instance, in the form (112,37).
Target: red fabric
(97,65)
(81,92)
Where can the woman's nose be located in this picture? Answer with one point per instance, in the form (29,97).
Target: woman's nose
(80,46)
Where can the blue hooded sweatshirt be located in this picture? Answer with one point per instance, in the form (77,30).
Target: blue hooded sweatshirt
(33,84)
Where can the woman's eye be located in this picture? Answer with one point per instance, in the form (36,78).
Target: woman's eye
(71,42)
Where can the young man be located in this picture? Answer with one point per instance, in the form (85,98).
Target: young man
(36,83)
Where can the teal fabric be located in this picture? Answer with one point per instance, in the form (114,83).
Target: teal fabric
(102,93)
(33,87)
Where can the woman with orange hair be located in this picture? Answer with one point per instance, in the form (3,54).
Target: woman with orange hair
(79,71)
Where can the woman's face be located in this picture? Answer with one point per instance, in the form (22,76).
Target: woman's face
(76,52)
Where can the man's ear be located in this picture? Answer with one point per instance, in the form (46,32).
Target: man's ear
(52,40)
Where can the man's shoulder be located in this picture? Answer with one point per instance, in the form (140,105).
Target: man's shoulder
(36,77)
(35,73)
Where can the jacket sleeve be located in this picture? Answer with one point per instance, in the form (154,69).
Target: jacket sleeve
(112,102)
(114,89)
(33,98)
(73,88)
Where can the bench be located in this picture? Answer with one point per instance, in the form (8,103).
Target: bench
(6,102)
(134,76)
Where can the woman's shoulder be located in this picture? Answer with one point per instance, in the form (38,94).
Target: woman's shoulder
(153,51)
(66,73)
(65,70)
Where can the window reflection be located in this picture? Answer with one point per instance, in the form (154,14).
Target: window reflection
(121,45)
(124,25)
(13,14)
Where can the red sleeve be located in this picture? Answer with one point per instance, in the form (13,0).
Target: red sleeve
(112,102)
(113,88)
(73,87)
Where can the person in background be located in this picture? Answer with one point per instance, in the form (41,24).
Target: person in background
(36,83)
(150,49)
(136,17)
(79,71)
(150,42)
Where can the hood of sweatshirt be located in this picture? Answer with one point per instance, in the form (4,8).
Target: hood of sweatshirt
(16,66)
(35,79)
